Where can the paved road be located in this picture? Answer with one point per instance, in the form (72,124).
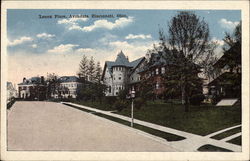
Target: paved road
(53,126)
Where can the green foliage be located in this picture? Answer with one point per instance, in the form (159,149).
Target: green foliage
(83,68)
(196,99)
(189,43)
(123,93)
(91,91)
(91,70)
(110,99)
(146,90)
(139,102)
(120,105)
(201,120)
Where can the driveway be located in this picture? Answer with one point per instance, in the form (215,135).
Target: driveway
(54,126)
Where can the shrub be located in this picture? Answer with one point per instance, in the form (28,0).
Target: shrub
(196,99)
(120,105)
(139,102)
(110,99)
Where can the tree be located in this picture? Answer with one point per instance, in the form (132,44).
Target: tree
(91,69)
(52,84)
(189,43)
(83,68)
(98,73)
(232,51)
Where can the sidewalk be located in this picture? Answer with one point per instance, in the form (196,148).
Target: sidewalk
(192,141)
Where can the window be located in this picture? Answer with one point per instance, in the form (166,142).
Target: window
(120,78)
(114,78)
(156,71)
(162,70)
(139,78)
(109,89)
(132,78)
(157,86)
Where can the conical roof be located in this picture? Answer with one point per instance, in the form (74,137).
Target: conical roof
(121,60)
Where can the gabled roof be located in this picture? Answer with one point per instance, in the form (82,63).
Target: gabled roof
(32,80)
(121,60)
(65,79)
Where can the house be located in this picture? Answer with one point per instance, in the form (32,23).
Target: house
(11,92)
(32,89)
(227,82)
(153,71)
(119,74)
(159,73)
(68,87)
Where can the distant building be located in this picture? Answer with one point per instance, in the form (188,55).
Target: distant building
(120,73)
(156,70)
(68,87)
(33,88)
(11,92)
(227,82)
(153,72)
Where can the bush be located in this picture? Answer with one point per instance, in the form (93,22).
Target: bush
(139,102)
(120,105)
(196,99)
(110,99)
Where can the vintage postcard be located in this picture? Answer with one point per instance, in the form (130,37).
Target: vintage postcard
(128,80)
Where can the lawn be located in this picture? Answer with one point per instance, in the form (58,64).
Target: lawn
(212,148)
(201,120)
(237,140)
(227,133)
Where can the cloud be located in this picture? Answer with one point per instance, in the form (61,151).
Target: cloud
(63,48)
(140,36)
(132,50)
(19,41)
(85,50)
(105,24)
(72,21)
(228,24)
(219,42)
(34,45)
(45,35)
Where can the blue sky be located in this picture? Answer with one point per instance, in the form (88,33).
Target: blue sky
(40,45)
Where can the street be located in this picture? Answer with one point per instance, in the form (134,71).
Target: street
(53,126)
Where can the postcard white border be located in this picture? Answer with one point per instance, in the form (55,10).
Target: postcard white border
(52,155)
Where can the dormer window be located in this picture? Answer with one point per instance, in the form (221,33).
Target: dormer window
(156,71)
(163,70)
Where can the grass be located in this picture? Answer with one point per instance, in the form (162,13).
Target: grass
(201,120)
(165,135)
(227,133)
(97,105)
(212,148)
(237,141)
(10,104)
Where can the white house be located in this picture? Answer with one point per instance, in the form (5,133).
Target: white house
(116,74)
(69,85)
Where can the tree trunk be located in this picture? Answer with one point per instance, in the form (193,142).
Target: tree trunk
(182,95)
(186,103)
